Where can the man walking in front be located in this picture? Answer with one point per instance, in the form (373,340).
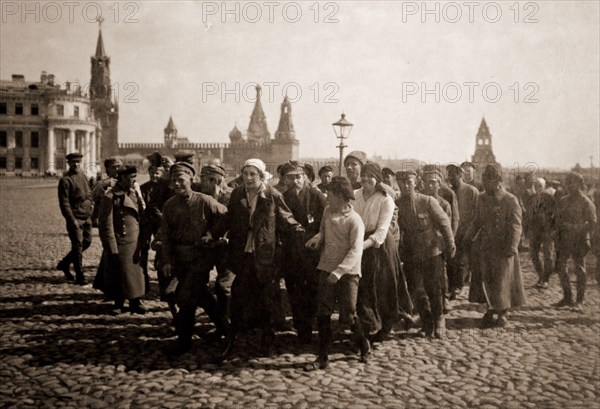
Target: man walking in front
(575,221)
(75,201)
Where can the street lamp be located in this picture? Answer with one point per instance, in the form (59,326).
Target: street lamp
(342,129)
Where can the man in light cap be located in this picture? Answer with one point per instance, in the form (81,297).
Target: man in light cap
(426,231)
(212,177)
(75,202)
(257,216)
(469,175)
(186,233)
(498,222)
(539,225)
(300,264)
(575,221)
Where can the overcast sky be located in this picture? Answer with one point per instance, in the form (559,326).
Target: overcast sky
(378,61)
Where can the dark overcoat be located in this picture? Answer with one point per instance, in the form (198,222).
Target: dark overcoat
(498,224)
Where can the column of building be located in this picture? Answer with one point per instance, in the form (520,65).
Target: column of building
(51,151)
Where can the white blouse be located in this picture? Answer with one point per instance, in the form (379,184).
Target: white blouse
(376,213)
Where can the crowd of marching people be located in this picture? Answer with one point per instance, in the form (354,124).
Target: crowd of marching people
(384,249)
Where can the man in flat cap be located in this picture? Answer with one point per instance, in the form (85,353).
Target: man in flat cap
(189,218)
(119,218)
(498,222)
(467,196)
(575,222)
(426,233)
(325,174)
(75,201)
(155,193)
(539,226)
(469,175)
(300,265)
(212,179)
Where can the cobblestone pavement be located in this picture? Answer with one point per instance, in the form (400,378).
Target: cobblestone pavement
(60,347)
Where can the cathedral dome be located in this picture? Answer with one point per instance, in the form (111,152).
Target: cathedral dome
(235,135)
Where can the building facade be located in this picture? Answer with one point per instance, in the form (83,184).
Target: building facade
(40,123)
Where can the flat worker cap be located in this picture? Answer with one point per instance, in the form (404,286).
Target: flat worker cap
(182,167)
(453,168)
(185,156)
(127,170)
(467,164)
(208,170)
(358,155)
(112,161)
(293,167)
(325,168)
(406,174)
(74,156)
(433,174)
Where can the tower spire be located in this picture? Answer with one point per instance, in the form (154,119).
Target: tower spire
(257,129)
(100,53)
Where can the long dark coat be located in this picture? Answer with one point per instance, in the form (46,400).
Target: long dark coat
(498,223)
(119,228)
(271,219)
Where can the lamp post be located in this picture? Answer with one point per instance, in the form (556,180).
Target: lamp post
(342,129)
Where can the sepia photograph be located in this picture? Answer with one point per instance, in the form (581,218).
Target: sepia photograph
(300,204)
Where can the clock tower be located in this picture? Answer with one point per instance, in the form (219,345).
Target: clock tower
(106,110)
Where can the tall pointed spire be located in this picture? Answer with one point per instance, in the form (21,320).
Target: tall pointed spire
(285,130)
(257,129)
(483,131)
(100,53)
(483,146)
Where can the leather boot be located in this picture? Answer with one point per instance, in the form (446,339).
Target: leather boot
(228,351)
(439,327)
(324,327)
(580,290)
(77,266)
(136,307)
(427,321)
(361,341)
(63,266)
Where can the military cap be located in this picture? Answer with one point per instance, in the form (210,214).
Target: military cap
(126,170)
(575,177)
(491,172)
(358,155)
(429,168)
(293,167)
(212,170)
(113,160)
(325,168)
(185,156)
(467,164)
(452,168)
(406,174)
(435,173)
(74,156)
(155,159)
(182,167)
